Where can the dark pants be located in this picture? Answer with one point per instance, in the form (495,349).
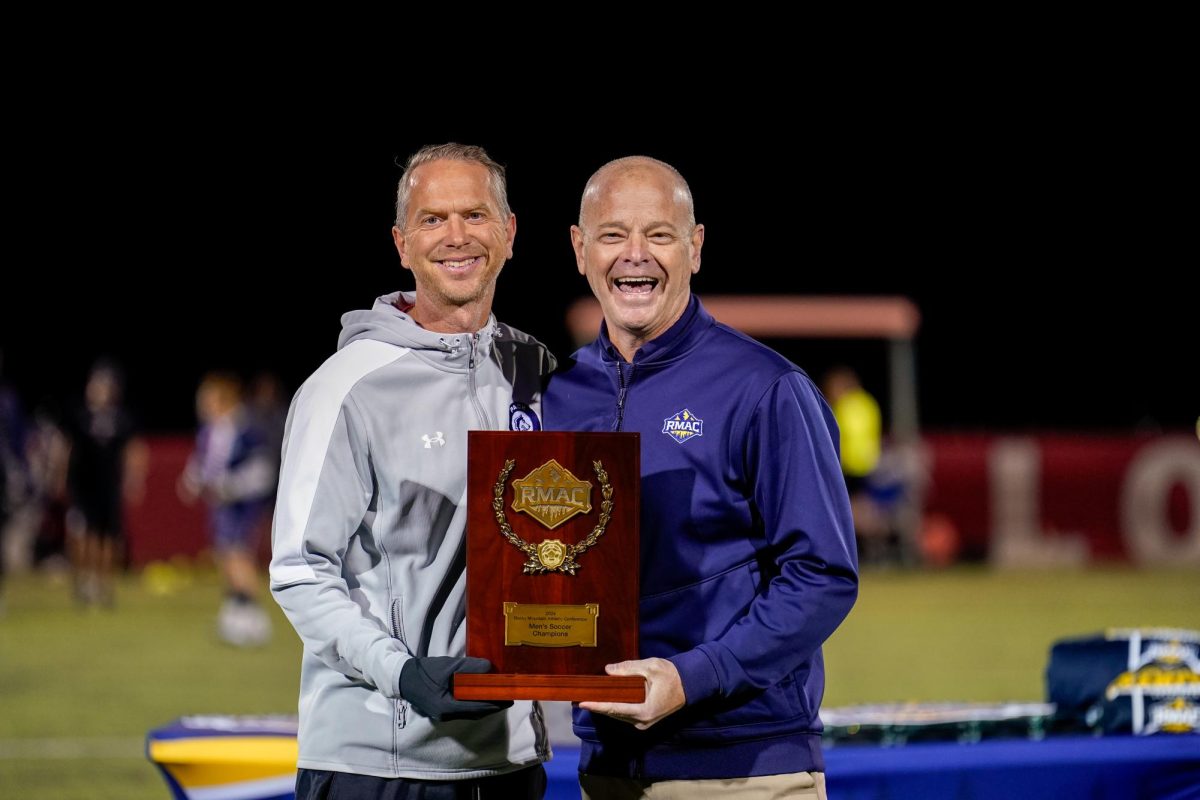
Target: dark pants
(317,784)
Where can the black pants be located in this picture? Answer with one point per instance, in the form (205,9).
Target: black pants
(318,784)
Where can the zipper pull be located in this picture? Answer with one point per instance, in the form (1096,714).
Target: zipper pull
(621,396)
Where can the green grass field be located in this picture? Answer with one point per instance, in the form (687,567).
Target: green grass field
(79,689)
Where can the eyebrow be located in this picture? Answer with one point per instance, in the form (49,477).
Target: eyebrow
(422,210)
(622,226)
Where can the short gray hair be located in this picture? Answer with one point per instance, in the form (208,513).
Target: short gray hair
(452,151)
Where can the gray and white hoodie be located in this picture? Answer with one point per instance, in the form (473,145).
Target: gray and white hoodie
(369,538)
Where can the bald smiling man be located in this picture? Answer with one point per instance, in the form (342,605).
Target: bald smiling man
(747,545)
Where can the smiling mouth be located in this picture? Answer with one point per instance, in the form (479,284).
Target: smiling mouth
(635,285)
(460,264)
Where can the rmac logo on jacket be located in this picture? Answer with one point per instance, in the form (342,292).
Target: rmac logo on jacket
(683,425)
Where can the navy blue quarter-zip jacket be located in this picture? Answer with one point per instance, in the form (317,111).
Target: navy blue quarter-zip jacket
(748,561)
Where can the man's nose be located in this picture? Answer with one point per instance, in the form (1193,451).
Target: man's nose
(456,230)
(636,251)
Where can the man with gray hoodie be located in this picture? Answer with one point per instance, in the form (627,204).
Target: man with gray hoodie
(369,535)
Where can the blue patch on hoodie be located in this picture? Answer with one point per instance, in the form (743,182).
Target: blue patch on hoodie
(523,418)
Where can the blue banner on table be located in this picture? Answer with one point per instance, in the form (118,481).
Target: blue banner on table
(227,758)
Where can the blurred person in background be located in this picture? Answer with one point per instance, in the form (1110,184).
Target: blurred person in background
(267,404)
(48,450)
(106,468)
(233,470)
(859,421)
(12,459)
(861,425)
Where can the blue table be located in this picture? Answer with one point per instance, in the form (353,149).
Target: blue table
(248,757)
(1066,768)
(1058,768)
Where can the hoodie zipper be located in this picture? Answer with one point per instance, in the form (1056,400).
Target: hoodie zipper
(624,386)
(479,410)
(398,633)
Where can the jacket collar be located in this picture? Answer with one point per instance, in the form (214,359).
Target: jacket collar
(675,341)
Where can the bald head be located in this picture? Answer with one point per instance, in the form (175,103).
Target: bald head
(636,167)
(638,245)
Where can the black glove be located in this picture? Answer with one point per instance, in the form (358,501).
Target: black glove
(426,684)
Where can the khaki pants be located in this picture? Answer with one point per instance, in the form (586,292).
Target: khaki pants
(804,785)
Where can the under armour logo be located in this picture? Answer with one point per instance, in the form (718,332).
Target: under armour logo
(431,440)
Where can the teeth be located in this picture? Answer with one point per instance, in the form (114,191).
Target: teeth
(462,263)
(631,281)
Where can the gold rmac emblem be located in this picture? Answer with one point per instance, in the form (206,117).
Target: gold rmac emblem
(552,495)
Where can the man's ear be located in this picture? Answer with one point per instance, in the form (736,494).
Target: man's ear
(697,243)
(577,245)
(398,238)
(511,232)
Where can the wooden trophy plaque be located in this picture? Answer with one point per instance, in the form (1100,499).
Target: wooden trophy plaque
(552,565)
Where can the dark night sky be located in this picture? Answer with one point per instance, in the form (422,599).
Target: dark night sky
(1044,247)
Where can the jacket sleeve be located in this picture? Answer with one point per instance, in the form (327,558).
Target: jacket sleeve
(791,461)
(325,493)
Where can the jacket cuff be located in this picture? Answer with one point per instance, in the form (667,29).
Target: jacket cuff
(394,666)
(698,675)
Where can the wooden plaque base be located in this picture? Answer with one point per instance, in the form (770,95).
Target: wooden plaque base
(603,688)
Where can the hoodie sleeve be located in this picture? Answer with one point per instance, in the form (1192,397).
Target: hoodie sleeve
(792,462)
(325,494)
